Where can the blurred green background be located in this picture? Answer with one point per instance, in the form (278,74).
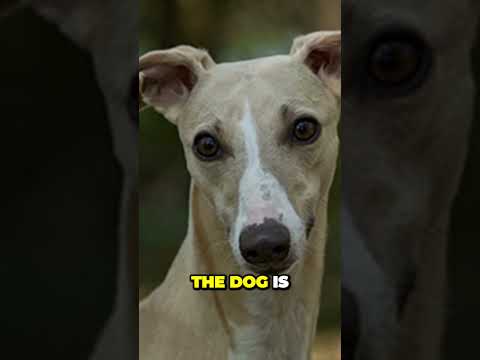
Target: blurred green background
(230,30)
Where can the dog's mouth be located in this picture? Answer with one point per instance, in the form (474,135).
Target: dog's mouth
(273,269)
(310,223)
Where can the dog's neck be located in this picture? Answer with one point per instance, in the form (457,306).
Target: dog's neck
(272,324)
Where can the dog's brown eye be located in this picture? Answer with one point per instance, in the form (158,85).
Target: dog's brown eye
(306,130)
(206,147)
(395,62)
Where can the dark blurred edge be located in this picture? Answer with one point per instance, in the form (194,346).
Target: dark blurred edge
(464,246)
(60,193)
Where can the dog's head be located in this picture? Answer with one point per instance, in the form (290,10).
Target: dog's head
(260,139)
(407,108)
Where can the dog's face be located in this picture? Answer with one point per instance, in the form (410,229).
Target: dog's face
(260,139)
(407,105)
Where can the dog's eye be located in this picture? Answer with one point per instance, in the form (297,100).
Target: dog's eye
(305,130)
(206,147)
(398,60)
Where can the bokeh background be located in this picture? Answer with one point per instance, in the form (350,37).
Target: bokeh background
(230,30)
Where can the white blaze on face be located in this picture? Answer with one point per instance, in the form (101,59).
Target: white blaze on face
(261,196)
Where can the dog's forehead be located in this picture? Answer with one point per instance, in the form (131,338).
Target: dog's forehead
(279,73)
(260,67)
(267,84)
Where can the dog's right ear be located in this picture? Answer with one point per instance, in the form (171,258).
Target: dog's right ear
(167,78)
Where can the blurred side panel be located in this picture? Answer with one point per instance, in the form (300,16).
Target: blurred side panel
(68,253)
(409,155)
(464,247)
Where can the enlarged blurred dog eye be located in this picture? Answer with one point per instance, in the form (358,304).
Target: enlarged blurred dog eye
(306,130)
(206,147)
(394,62)
(399,60)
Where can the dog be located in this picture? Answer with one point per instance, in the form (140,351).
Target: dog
(404,139)
(260,141)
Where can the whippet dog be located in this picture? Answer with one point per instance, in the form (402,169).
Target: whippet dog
(260,141)
(407,108)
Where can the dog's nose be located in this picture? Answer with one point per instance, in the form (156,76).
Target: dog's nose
(267,243)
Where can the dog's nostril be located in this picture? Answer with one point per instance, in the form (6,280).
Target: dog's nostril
(251,254)
(279,249)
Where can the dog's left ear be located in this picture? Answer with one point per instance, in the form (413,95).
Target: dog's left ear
(321,52)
